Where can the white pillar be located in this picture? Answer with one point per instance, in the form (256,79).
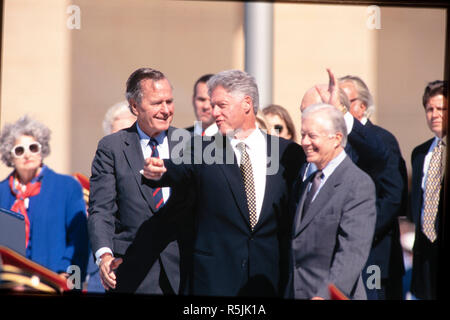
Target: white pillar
(259,48)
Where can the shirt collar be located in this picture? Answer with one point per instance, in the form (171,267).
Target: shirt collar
(143,136)
(252,141)
(332,165)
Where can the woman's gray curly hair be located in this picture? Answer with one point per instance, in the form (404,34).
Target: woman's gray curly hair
(25,126)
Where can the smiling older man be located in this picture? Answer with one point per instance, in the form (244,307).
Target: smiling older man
(334,212)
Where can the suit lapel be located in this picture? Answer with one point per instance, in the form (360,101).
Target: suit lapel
(233,176)
(298,206)
(133,154)
(323,197)
(271,180)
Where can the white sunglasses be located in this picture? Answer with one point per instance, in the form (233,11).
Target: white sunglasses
(19,150)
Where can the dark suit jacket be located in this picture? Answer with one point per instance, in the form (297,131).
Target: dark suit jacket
(331,242)
(425,253)
(366,149)
(392,192)
(119,203)
(190,129)
(229,259)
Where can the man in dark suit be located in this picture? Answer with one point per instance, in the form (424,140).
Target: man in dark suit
(120,202)
(241,179)
(428,165)
(365,148)
(392,191)
(205,124)
(333,212)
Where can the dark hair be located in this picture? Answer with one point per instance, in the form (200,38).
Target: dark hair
(134,90)
(284,115)
(434,88)
(203,79)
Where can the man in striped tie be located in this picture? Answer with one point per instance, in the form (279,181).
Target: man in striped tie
(120,202)
(428,171)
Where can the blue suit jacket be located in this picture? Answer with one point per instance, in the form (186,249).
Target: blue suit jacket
(58,236)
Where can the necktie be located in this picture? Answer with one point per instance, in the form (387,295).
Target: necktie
(315,183)
(432,191)
(21,203)
(157,192)
(247,176)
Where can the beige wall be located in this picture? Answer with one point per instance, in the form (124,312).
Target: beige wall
(68,78)
(396,61)
(35,69)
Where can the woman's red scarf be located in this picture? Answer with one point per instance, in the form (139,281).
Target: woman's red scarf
(21,204)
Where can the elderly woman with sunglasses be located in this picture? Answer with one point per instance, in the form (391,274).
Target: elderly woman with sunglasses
(52,204)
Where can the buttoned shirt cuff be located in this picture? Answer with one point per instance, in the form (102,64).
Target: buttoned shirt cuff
(100,252)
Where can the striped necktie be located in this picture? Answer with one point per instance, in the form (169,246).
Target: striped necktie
(157,192)
(432,192)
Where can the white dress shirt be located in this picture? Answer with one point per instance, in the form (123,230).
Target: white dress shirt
(257,151)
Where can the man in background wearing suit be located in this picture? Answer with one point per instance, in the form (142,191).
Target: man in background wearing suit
(366,149)
(240,200)
(427,192)
(120,202)
(333,212)
(392,192)
(205,124)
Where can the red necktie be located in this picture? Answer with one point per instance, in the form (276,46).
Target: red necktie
(32,189)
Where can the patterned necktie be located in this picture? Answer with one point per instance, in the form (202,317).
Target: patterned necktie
(157,192)
(315,183)
(432,191)
(247,175)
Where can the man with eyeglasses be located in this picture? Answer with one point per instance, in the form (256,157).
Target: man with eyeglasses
(364,147)
(427,192)
(392,191)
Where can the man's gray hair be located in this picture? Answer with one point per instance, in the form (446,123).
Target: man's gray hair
(25,126)
(236,82)
(364,94)
(335,117)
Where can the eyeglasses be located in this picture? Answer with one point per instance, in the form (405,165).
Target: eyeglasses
(19,150)
(353,100)
(278,127)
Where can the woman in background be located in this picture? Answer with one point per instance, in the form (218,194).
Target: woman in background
(52,204)
(279,122)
